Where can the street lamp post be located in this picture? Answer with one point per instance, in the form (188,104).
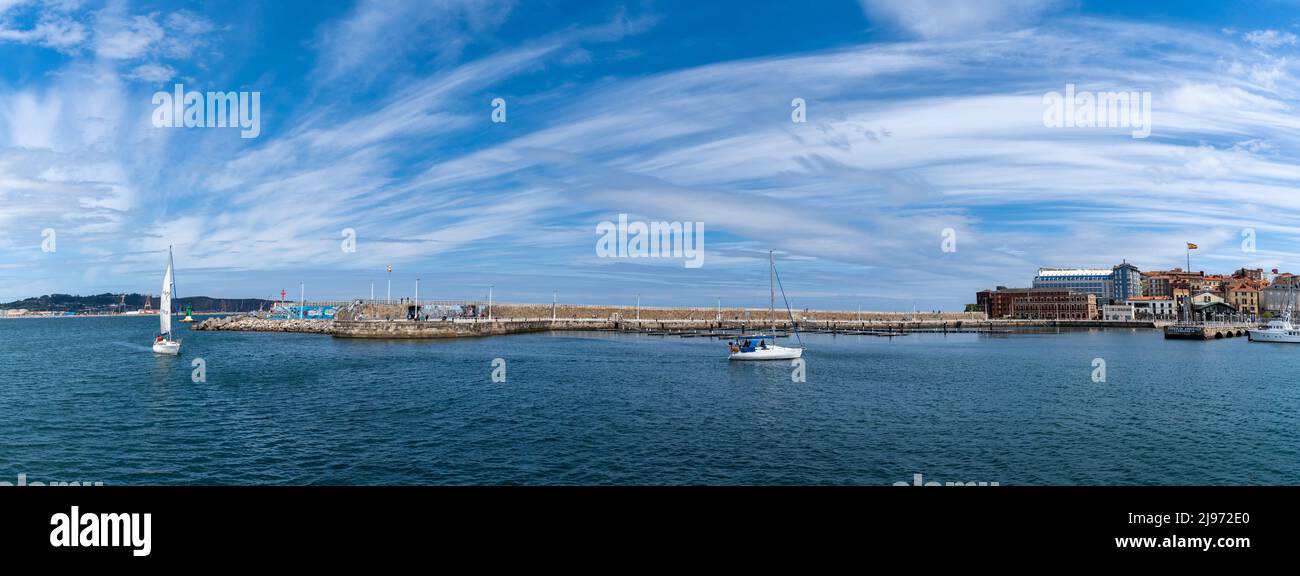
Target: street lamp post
(417,299)
(302,300)
(390,284)
(490,287)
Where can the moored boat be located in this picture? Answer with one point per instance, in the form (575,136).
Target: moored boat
(1278,330)
(764,346)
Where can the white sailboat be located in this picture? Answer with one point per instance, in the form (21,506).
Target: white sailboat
(163,343)
(763,346)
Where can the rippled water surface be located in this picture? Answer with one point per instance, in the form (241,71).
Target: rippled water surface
(83,399)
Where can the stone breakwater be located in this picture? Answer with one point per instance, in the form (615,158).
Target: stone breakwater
(398,311)
(252,324)
(437,329)
(726,314)
(460,328)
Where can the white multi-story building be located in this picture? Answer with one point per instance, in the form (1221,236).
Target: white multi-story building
(1121,312)
(1089,280)
(1153,308)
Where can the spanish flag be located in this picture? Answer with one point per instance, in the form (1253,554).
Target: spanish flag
(1191,246)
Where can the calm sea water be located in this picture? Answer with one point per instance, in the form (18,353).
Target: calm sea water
(85,400)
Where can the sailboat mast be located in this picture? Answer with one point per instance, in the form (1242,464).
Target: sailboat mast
(171,262)
(771,284)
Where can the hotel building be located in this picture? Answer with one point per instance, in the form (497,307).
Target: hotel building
(1119,283)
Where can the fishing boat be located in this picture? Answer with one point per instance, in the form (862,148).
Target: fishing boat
(764,346)
(163,343)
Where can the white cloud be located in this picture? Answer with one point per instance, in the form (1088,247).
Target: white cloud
(53,27)
(123,38)
(153,73)
(1219,101)
(954,18)
(1270,38)
(379,34)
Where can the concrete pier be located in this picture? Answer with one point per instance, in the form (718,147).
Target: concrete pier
(1211,331)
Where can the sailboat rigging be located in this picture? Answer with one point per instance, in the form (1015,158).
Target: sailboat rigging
(763,346)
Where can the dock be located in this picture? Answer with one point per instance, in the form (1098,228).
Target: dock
(1207,330)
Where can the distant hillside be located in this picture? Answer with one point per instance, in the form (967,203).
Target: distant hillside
(111,302)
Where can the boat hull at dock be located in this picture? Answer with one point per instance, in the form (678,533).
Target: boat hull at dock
(1281,331)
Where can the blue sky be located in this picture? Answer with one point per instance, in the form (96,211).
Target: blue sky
(922,116)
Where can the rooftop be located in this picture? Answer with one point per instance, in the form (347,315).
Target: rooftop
(1054,272)
(1004,290)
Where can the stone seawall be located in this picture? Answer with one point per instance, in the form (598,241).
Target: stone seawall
(398,311)
(706,314)
(252,324)
(435,329)
(398,329)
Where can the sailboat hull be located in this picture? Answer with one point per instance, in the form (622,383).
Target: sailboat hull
(770,353)
(169,348)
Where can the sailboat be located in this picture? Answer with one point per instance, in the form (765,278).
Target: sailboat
(163,343)
(763,346)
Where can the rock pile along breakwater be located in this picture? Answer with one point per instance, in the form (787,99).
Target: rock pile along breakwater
(253,324)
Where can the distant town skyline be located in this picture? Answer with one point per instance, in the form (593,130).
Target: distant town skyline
(896,154)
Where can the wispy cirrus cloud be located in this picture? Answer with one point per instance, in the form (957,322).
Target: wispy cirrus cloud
(903,140)
(954,18)
(377,35)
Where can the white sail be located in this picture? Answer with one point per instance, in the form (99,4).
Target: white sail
(165,309)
